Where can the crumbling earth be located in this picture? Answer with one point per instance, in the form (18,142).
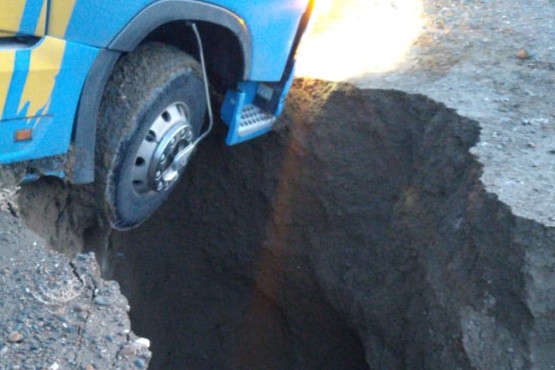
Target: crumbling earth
(356,236)
(58,314)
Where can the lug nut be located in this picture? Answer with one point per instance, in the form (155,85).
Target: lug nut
(160,186)
(158,175)
(163,158)
(186,133)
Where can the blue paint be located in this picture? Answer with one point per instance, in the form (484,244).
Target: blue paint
(97,22)
(11,151)
(17,85)
(52,133)
(31,17)
(66,94)
(272,25)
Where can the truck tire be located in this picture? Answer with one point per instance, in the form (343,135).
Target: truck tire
(151,113)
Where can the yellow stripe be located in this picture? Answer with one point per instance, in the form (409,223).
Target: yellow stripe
(7,63)
(45,64)
(41,24)
(11,12)
(60,15)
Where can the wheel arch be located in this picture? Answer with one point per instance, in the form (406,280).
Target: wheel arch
(213,20)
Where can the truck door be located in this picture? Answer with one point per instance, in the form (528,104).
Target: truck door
(41,77)
(22,23)
(29,63)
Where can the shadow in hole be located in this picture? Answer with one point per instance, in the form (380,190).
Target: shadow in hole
(200,273)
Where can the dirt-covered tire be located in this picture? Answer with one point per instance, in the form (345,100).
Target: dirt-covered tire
(154,96)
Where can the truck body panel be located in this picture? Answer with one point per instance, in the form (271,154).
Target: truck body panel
(40,90)
(22,17)
(92,22)
(48,49)
(270,49)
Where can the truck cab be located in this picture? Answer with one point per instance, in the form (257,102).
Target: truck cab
(117,93)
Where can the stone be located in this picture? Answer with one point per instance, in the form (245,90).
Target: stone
(142,342)
(15,337)
(102,301)
(522,54)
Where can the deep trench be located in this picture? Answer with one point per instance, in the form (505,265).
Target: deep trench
(355,236)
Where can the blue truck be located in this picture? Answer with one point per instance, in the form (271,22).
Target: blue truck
(117,93)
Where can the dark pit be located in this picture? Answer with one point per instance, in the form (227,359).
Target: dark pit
(356,236)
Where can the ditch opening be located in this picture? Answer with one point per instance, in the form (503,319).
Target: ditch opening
(356,236)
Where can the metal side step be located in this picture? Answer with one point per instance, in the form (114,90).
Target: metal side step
(245,119)
(254,119)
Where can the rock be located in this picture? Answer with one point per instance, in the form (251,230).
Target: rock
(142,342)
(15,337)
(522,54)
(103,301)
(128,350)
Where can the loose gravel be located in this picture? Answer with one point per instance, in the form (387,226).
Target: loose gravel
(57,314)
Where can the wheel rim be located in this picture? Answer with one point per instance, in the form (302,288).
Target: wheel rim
(164,151)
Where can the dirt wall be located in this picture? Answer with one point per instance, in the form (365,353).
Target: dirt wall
(358,235)
(361,222)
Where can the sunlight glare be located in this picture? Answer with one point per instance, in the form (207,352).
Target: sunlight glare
(352,38)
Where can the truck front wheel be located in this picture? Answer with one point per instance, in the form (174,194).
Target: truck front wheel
(151,114)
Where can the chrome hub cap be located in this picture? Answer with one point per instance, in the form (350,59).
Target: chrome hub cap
(164,151)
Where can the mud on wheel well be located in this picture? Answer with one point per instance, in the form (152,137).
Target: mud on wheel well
(222,50)
(225,66)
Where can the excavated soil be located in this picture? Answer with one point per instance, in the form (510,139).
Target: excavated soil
(56,313)
(356,236)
